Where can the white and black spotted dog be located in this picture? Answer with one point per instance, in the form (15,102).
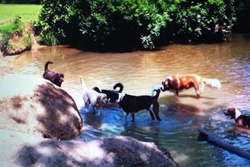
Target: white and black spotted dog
(92,98)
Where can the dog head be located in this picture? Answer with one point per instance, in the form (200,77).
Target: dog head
(167,84)
(58,79)
(112,95)
(102,98)
(233,112)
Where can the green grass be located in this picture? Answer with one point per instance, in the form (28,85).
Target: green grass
(28,13)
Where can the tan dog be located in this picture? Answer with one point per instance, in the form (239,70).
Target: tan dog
(91,97)
(178,83)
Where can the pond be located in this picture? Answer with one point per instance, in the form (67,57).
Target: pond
(181,116)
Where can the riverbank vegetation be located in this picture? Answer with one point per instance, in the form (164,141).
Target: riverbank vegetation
(127,24)
(16,27)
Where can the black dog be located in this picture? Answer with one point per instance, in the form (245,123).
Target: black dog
(111,94)
(132,104)
(56,78)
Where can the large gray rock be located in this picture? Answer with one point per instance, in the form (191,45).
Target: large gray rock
(32,105)
(25,150)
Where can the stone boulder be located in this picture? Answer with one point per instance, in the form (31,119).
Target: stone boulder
(109,152)
(33,105)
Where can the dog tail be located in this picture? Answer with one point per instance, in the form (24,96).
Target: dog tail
(46,66)
(212,83)
(120,85)
(157,90)
(84,87)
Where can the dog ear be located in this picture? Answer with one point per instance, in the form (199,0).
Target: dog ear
(175,82)
(61,75)
(100,98)
(97,89)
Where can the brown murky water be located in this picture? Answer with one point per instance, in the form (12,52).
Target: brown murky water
(139,71)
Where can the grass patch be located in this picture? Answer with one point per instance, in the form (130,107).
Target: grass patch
(15,35)
(27,12)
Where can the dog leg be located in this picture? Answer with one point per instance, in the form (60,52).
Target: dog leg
(151,114)
(176,92)
(126,116)
(156,110)
(197,91)
(99,112)
(93,108)
(133,117)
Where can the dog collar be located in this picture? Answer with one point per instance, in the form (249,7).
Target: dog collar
(237,114)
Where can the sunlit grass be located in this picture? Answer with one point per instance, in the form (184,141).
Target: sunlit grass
(28,13)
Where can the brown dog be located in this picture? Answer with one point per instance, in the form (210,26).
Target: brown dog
(241,120)
(178,83)
(56,78)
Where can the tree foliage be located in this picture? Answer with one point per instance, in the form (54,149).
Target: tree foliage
(242,8)
(125,24)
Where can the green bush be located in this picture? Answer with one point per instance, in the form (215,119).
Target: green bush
(197,19)
(242,8)
(7,30)
(125,24)
(27,41)
(12,28)
(48,38)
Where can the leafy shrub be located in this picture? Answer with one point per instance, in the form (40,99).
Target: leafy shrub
(14,27)
(7,30)
(146,24)
(27,41)
(197,18)
(242,8)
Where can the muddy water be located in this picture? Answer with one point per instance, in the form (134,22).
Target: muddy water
(139,71)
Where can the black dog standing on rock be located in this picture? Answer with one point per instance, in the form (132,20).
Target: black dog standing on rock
(132,104)
(56,78)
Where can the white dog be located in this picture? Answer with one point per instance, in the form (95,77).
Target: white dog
(91,97)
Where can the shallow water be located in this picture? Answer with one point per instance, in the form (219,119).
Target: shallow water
(181,116)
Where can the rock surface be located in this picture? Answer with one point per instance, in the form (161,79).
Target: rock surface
(110,152)
(30,104)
